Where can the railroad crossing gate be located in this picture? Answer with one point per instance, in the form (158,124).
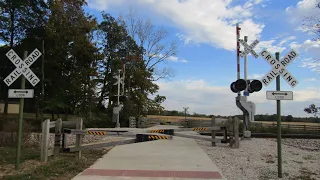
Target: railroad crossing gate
(279,68)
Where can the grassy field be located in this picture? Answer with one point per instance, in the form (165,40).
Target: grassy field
(62,168)
(175,118)
(181,118)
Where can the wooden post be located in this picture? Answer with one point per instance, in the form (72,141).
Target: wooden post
(236,122)
(57,137)
(64,140)
(78,137)
(230,128)
(213,132)
(45,140)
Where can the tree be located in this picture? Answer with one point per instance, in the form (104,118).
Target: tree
(312,23)
(289,118)
(118,48)
(154,105)
(114,38)
(312,109)
(153,39)
(15,18)
(70,58)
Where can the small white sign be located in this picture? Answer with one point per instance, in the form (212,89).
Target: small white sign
(21,93)
(279,95)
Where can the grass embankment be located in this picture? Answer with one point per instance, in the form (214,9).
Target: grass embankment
(61,168)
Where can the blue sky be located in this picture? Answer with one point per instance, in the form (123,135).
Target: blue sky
(205,64)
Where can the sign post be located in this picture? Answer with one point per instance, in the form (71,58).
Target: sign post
(117,109)
(248,49)
(279,125)
(279,68)
(21,106)
(22,68)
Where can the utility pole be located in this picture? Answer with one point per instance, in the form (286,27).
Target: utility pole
(246,116)
(185,112)
(238,53)
(123,75)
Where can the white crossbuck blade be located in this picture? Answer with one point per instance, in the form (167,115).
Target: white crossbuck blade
(279,68)
(118,80)
(22,67)
(249,49)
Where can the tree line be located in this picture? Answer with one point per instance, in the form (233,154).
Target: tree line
(81,56)
(312,109)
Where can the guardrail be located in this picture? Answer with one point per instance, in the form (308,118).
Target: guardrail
(58,124)
(302,127)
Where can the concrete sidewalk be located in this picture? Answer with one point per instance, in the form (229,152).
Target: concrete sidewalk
(178,159)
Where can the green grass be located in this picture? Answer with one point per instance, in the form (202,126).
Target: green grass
(61,168)
(8,155)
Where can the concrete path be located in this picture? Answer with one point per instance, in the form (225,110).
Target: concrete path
(176,159)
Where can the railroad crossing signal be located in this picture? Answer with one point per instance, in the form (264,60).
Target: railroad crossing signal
(241,84)
(279,67)
(249,49)
(22,67)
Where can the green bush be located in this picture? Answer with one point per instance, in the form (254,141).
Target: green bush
(99,121)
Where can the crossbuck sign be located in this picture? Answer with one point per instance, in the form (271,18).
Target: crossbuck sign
(279,67)
(249,49)
(22,67)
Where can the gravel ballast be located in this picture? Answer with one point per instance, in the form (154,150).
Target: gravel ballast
(256,159)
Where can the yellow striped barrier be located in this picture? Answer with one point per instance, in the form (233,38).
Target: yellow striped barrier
(200,129)
(157,131)
(157,137)
(101,133)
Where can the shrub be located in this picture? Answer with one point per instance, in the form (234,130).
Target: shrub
(9,133)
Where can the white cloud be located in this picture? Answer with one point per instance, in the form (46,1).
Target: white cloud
(184,60)
(172,58)
(104,4)
(309,47)
(277,44)
(310,79)
(204,98)
(303,8)
(311,52)
(205,21)
(256,76)
(312,64)
(271,46)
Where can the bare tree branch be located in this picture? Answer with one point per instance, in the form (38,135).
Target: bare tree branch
(152,39)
